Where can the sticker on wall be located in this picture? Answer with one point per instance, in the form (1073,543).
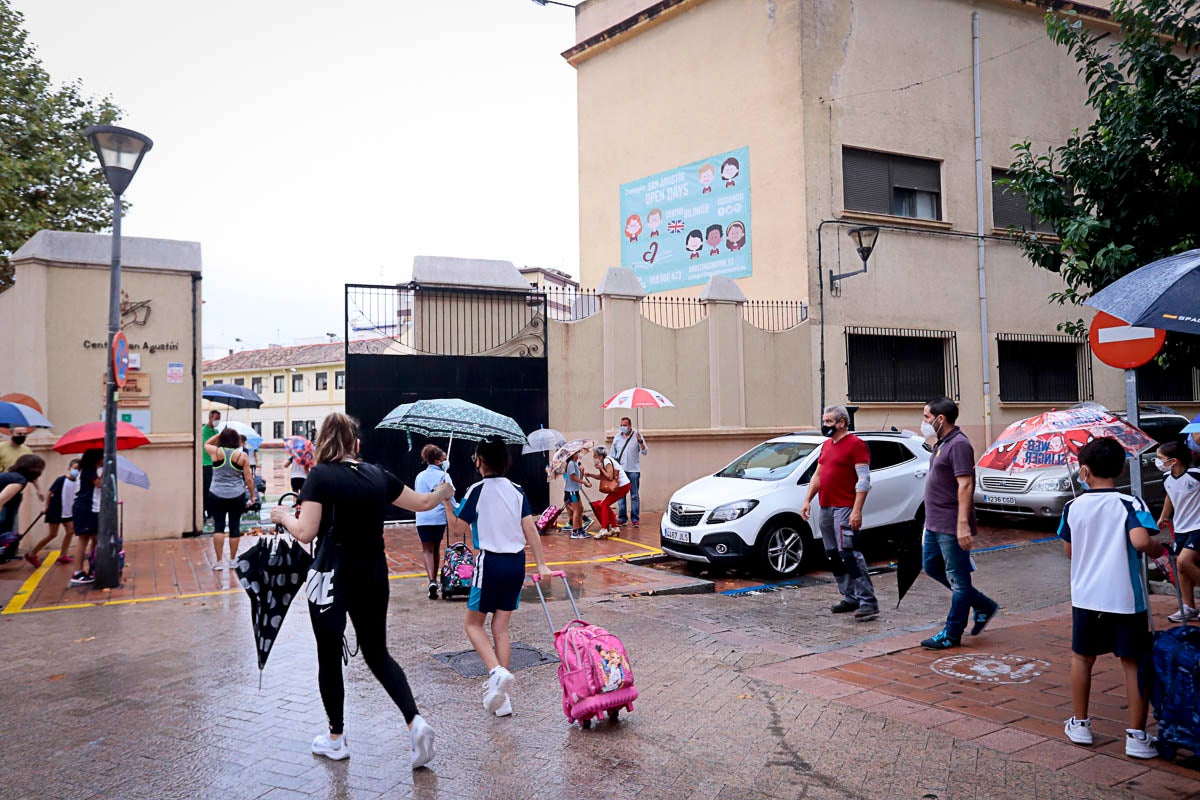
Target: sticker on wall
(174,372)
(681,227)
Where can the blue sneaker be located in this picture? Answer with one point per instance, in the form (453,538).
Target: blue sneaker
(940,641)
(982,618)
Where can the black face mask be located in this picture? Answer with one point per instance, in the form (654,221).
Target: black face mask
(18,440)
(828,431)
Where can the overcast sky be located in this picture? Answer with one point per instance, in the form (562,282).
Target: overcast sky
(305,143)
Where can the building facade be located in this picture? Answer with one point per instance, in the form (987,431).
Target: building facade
(857,114)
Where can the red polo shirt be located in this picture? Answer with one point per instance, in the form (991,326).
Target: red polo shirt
(838,478)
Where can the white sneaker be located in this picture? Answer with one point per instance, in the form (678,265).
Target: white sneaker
(1078,731)
(505,709)
(337,749)
(1188,614)
(497,689)
(423,749)
(1139,744)
(219,566)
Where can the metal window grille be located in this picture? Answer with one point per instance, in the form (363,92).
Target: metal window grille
(674,312)
(774,315)
(1038,368)
(1179,383)
(900,365)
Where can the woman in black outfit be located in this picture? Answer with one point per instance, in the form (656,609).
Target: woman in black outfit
(346,499)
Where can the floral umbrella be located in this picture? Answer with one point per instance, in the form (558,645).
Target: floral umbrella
(1055,438)
(453,419)
(301,450)
(558,461)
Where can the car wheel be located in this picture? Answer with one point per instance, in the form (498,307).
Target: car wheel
(782,547)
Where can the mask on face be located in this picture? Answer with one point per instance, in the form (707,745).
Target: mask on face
(74,473)
(18,440)
(1160,466)
(446,464)
(928,431)
(828,431)
(624,430)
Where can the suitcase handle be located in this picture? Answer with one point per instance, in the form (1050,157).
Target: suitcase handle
(537,584)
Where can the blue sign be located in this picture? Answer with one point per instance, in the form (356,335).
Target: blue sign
(120,355)
(683,226)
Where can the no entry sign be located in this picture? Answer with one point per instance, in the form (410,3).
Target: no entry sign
(1120,345)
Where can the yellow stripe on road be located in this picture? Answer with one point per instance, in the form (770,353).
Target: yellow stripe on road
(30,586)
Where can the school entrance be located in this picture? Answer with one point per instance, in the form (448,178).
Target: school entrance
(414,342)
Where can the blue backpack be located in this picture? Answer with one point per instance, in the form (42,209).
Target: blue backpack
(1175,691)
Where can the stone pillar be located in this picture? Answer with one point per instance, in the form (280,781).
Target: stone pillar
(726,363)
(621,295)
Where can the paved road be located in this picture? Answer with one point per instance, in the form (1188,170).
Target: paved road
(161,701)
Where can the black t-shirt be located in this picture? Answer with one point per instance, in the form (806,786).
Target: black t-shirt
(83,497)
(56,490)
(354,498)
(8,514)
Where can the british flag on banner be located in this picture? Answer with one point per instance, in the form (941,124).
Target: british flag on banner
(675,226)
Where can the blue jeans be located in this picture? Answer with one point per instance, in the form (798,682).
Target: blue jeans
(950,565)
(635,499)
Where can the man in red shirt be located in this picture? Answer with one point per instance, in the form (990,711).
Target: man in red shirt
(842,479)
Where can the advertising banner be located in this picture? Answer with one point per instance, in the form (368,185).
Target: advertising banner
(685,225)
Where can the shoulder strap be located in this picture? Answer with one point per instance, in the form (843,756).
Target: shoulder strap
(626,447)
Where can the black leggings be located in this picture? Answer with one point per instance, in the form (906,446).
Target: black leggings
(366,595)
(221,507)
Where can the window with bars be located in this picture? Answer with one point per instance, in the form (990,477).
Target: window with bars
(1178,383)
(884,183)
(900,365)
(1010,207)
(1036,368)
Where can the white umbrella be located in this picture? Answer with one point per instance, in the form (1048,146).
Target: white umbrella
(544,440)
(131,473)
(253,438)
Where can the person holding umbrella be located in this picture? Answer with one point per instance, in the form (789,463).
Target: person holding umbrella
(345,500)
(231,480)
(206,465)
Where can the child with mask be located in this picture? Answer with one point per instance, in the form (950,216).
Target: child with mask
(58,511)
(1182,510)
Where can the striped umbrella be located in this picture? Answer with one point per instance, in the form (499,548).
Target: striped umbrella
(638,397)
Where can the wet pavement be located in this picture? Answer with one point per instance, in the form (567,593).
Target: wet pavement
(743,696)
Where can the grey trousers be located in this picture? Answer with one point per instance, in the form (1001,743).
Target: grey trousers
(848,565)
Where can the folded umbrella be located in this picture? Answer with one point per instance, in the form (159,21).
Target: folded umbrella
(908,562)
(82,438)
(232,395)
(271,572)
(19,415)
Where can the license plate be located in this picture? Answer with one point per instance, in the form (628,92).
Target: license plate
(676,536)
(1000,499)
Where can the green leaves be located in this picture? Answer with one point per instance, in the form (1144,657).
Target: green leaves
(1123,192)
(49,176)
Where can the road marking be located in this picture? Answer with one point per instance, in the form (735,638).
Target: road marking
(30,585)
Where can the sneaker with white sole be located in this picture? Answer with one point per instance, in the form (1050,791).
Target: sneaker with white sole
(505,709)
(1078,731)
(1139,744)
(337,749)
(1188,614)
(497,689)
(423,749)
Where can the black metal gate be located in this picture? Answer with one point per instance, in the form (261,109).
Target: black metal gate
(408,343)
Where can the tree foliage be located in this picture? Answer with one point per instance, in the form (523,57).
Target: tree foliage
(49,175)
(1125,191)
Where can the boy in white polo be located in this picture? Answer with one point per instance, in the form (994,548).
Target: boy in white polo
(1182,509)
(1103,531)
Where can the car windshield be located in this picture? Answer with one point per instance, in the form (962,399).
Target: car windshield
(770,461)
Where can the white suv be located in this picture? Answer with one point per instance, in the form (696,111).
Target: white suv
(751,509)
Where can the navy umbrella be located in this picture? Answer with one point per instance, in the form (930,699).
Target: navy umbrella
(232,395)
(1163,295)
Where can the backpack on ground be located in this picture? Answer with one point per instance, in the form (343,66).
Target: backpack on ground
(1175,683)
(458,570)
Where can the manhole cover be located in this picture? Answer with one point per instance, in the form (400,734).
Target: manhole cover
(467,663)
(990,669)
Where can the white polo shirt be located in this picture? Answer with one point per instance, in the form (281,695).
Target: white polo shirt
(1105,566)
(1184,492)
(495,508)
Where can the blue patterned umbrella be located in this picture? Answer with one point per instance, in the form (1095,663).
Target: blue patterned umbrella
(455,419)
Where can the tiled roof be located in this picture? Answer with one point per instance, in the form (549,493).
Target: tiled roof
(300,355)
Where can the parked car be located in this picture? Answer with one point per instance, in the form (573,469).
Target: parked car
(1042,493)
(750,510)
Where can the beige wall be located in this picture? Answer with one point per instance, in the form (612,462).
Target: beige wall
(50,311)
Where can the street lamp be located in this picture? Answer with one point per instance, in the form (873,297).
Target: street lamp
(864,237)
(120,151)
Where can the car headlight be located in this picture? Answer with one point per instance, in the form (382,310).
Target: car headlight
(731,511)
(1062,484)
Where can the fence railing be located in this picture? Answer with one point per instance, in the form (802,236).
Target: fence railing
(567,304)
(674,312)
(774,315)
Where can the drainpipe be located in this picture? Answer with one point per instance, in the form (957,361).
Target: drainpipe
(984,349)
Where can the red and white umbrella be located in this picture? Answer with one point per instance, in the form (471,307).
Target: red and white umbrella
(638,397)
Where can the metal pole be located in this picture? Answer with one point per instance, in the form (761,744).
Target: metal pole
(984,344)
(1131,414)
(108,575)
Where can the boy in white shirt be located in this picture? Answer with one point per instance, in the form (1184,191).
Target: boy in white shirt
(1103,531)
(1182,509)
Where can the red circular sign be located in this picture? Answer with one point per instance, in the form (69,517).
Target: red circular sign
(1120,345)
(120,357)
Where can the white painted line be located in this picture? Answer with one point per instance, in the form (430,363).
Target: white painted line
(1125,333)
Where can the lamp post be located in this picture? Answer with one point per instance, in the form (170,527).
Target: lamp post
(864,237)
(120,151)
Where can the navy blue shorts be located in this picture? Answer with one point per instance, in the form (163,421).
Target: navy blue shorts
(570,497)
(497,582)
(1096,633)
(431,534)
(1186,539)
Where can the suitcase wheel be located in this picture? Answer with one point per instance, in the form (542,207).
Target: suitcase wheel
(585,723)
(613,713)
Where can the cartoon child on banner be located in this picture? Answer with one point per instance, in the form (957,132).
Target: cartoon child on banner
(694,243)
(730,170)
(735,236)
(713,234)
(653,221)
(633,227)
(707,173)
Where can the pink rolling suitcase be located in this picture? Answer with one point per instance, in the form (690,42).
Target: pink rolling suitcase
(593,668)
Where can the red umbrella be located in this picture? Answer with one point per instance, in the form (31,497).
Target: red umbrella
(637,397)
(82,438)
